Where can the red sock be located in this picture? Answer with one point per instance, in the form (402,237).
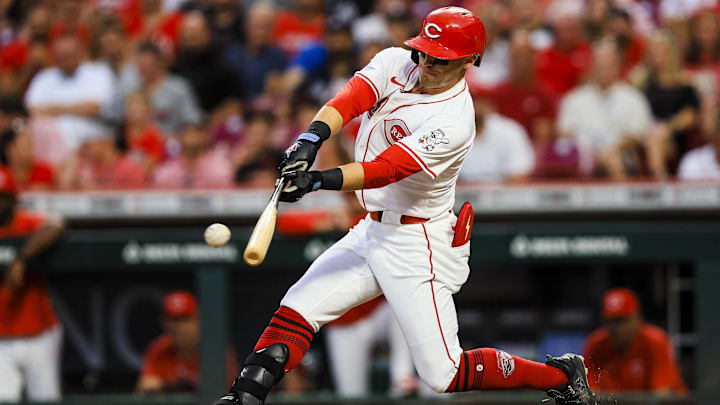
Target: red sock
(492,369)
(289,327)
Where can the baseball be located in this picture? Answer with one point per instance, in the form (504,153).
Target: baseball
(217,235)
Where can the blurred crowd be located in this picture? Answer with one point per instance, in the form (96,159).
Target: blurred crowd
(208,93)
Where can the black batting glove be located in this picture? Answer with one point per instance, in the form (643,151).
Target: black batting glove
(301,154)
(300,183)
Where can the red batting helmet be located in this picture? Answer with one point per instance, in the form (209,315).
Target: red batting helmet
(450,33)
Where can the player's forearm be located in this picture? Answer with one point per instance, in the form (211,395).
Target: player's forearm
(42,239)
(353,176)
(330,116)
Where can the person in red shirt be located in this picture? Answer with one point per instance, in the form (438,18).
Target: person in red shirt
(142,136)
(561,67)
(632,46)
(628,354)
(16,153)
(30,335)
(295,29)
(522,97)
(99,164)
(171,361)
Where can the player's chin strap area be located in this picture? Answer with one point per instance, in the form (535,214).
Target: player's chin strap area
(261,371)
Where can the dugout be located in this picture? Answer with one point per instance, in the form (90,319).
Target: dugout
(117,238)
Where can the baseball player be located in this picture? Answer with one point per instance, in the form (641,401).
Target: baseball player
(30,335)
(417,127)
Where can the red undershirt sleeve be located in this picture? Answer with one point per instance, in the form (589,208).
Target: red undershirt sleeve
(394,164)
(354,99)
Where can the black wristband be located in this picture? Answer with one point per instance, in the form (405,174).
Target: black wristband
(327,179)
(320,129)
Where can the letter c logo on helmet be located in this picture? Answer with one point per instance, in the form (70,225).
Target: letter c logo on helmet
(437,29)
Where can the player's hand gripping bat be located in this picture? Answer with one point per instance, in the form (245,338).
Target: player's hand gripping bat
(261,236)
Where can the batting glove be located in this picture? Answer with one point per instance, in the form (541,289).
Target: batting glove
(301,182)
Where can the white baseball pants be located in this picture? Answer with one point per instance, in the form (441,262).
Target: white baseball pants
(417,270)
(33,362)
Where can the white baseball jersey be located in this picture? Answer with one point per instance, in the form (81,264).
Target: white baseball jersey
(414,265)
(437,130)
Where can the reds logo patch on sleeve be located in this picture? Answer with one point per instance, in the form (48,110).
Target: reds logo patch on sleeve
(505,362)
(434,138)
(395,130)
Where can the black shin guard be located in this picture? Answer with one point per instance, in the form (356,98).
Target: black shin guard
(261,371)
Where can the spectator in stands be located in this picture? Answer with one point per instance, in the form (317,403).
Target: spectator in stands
(110,44)
(173,102)
(257,61)
(562,66)
(630,45)
(171,362)
(16,154)
(702,163)
(703,50)
(606,117)
(26,54)
(375,26)
(674,102)
(226,22)
(69,19)
(202,64)
(254,164)
(494,67)
(100,164)
(11,108)
(147,20)
(319,63)
(628,354)
(143,138)
(30,336)
(68,96)
(522,98)
(196,165)
(596,16)
(501,150)
(302,25)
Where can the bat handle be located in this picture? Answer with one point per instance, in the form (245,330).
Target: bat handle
(279,186)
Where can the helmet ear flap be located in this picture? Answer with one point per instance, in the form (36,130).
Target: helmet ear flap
(415,56)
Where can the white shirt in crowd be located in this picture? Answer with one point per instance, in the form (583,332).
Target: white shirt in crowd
(500,151)
(700,164)
(598,119)
(92,82)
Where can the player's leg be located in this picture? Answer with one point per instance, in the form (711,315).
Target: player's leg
(10,374)
(337,281)
(41,366)
(418,272)
(350,369)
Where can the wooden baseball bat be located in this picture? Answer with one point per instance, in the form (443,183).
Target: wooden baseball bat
(261,236)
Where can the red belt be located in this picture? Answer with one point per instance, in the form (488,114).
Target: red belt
(405,219)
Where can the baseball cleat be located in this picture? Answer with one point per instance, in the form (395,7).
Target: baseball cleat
(576,391)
